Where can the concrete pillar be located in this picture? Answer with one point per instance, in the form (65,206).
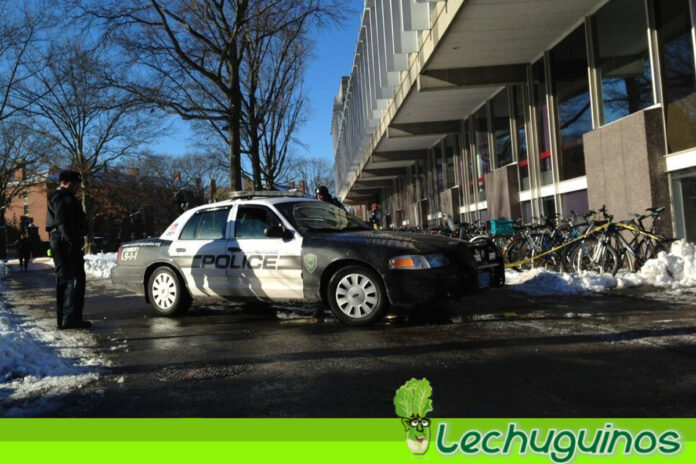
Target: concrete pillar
(625,166)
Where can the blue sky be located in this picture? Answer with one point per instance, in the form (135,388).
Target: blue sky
(333,58)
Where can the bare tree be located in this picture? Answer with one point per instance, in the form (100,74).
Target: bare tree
(21,27)
(188,55)
(314,172)
(91,123)
(20,154)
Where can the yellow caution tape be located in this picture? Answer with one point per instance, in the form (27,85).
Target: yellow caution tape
(553,250)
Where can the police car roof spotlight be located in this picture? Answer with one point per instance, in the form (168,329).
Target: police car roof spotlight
(262,194)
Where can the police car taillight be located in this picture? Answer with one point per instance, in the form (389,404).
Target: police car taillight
(118,255)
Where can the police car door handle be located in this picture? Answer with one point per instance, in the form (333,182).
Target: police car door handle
(181,250)
(234,249)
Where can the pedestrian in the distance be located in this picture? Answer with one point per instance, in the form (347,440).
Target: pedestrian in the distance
(375,218)
(24,250)
(67,224)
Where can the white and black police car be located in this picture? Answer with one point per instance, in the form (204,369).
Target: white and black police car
(279,248)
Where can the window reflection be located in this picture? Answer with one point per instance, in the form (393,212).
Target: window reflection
(623,59)
(483,158)
(569,70)
(679,80)
(501,128)
(523,162)
(542,120)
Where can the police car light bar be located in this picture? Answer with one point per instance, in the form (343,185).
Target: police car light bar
(263,194)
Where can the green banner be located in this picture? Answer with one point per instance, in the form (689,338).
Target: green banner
(548,441)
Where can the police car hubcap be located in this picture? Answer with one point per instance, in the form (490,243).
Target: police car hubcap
(356,295)
(164,291)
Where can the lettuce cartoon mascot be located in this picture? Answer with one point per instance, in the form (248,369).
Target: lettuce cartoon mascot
(412,403)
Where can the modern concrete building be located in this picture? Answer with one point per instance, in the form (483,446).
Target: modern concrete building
(518,108)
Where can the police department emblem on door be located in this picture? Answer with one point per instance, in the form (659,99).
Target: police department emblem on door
(310,262)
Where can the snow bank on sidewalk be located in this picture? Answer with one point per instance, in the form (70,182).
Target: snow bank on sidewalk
(37,360)
(675,270)
(99,265)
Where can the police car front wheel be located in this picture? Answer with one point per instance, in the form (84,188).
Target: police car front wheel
(356,295)
(167,294)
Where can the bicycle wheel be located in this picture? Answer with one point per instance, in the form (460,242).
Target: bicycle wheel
(596,256)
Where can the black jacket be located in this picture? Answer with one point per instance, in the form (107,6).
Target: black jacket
(65,215)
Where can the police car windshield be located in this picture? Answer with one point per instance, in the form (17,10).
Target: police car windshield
(319,216)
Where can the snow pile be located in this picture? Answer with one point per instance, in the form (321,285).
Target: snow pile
(99,265)
(674,270)
(540,282)
(36,360)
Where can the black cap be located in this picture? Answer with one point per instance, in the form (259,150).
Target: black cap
(322,190)
(70,176)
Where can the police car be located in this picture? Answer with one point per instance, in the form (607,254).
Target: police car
(279,248)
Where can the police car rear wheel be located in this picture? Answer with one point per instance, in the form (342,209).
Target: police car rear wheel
(167,294)
(356,295)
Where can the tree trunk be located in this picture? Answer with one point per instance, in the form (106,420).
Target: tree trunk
(87,206)
(255,157)
(3,226)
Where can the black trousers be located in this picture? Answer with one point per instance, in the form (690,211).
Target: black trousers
(24,258)
(70,281)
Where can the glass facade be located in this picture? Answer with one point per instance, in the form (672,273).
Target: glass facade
(571,88)
(622,58)
(626,39)
(450,145)
(500,117)
(522,161)
(542,121)
(483,156)
(471,172)
(678,75)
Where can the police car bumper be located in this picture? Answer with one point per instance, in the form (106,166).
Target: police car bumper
(129,277)
(412,288)
(469,273)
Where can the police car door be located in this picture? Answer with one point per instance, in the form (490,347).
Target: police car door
(202,252)
(264,267)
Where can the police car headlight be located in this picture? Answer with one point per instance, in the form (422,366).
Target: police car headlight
(418,262)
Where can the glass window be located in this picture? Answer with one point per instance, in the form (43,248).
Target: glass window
(623,60)
(569,71)
(439,178)
(189,230)
(450,144)
(548,206)
(483,157)
(26,210)
(542,120)
(684,189)
(252,222)
(471,176)
(523,162)
(526,211)
(213,224)
(678,76)
(575,202)
(501,129)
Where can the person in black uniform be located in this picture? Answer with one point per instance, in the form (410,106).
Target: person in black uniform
(67,224)
(324,195)
(24,250)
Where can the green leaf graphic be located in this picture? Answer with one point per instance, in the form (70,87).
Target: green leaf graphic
(413,399)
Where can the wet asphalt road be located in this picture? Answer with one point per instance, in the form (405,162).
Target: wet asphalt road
(497,354)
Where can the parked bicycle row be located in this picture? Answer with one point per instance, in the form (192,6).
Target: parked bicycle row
(590,242)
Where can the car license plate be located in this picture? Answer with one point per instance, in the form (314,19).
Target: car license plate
(484,280)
